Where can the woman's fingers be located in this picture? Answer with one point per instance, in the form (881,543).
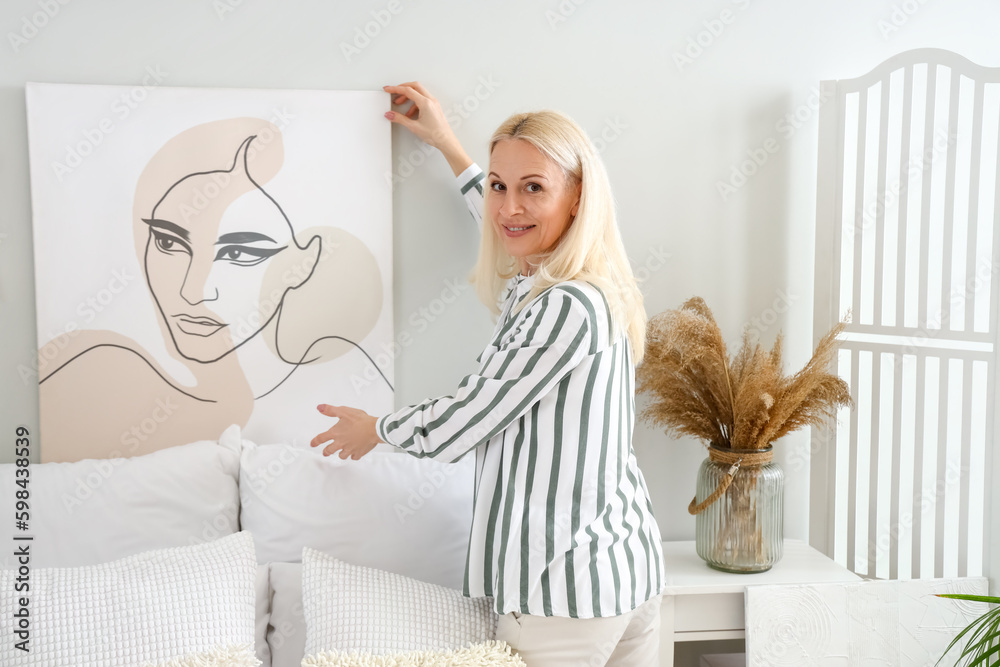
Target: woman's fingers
(424,118)
(328,435)
(354,434)
(346,452)
(419,87)
(325,436)
(401,119)
(423,91)
(428,122)
(410,92)
(414,92)
(330,449)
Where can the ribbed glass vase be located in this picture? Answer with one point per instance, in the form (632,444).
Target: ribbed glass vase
(743,530)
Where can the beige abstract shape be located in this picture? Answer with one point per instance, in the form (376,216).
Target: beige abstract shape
(346,281)
(112,401)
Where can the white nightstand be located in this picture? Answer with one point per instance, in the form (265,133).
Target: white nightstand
(700,603)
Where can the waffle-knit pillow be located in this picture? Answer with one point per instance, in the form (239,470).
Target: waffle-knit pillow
(354,608)
(150,607)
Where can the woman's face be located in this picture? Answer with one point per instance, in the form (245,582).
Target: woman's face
(206,267)
(529,199)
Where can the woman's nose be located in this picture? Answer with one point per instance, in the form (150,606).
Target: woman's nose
(511,205)
(198,286)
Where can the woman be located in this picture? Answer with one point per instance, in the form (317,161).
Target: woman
(563,534)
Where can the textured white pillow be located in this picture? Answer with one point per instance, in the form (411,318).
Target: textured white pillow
(151,607)
(96,510)
(354,608)
(387,510)
(487,654)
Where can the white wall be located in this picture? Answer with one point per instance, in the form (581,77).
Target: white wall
(672,133)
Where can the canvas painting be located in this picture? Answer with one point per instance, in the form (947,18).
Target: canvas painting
(207,257)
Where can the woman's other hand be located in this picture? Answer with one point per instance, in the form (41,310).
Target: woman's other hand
(354,434)
(426,119)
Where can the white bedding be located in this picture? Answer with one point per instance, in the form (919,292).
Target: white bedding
(147,608)
(391,512)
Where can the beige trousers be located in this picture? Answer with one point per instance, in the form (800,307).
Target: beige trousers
(629,640)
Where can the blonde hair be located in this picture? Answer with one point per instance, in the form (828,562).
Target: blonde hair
(590,249)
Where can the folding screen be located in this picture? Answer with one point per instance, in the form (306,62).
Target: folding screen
(907,242)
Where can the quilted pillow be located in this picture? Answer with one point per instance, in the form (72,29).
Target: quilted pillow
(153,606)
(487,654)
(354,608)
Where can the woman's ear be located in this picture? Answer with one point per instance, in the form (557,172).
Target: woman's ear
(576,205)
(308,259)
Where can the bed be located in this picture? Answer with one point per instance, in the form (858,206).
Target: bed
(233,553)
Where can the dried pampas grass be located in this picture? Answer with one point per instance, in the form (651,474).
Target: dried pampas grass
(741,403)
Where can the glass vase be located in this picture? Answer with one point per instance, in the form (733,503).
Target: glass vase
(742,531)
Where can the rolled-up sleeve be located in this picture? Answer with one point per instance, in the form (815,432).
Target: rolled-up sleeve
(470,182)
(554,335)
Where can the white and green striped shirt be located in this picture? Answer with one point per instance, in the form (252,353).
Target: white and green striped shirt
(562,523)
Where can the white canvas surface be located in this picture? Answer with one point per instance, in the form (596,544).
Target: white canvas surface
(89,147)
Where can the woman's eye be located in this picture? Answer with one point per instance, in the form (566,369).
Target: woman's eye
(497,186)
(170,244)
(242,255)
(534,187)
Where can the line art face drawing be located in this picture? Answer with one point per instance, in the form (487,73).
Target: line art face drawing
(254,279)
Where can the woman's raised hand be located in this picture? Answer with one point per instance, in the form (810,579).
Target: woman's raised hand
(354,434)
(426,119)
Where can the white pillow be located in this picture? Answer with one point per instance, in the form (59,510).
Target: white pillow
(150,607)
(286,629)
(387,510)
(487,654)
(96,510)
(354,608)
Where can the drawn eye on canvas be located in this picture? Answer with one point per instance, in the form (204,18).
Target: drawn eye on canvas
(251,304)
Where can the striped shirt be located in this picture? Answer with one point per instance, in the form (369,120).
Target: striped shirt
(562,522)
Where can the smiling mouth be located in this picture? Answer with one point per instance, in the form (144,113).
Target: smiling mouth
(517,230)
(197,326)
